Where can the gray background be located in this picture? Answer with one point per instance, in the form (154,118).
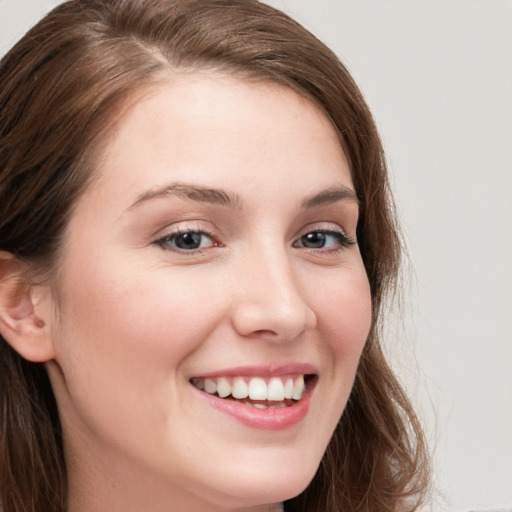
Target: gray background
(438,77)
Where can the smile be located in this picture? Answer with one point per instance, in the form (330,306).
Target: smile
(269,403)
(277,392)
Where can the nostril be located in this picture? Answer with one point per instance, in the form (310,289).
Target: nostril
(273,322)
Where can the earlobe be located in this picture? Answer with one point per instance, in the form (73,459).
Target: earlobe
(24,316)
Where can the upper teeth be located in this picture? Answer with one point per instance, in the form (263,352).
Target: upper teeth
(256,388)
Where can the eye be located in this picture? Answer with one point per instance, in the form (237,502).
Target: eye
(187,241)
(327,240)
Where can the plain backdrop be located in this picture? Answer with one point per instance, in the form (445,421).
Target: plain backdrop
(437,75)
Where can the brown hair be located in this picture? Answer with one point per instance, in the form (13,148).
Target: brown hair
(60,88)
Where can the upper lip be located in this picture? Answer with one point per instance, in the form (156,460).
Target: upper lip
(262,370)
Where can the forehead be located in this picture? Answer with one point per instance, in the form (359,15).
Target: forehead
(211,127)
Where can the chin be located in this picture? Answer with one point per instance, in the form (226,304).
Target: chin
(251,487)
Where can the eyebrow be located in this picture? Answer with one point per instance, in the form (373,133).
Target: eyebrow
(193,192)
(230,200)
(329,196)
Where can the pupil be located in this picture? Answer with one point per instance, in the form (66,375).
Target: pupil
(188,241)
(314,240)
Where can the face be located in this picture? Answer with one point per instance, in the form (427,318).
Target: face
(214,254)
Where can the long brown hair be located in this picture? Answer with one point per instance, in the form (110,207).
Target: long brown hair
(60,88)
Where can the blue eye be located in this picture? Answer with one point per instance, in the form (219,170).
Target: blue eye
(325,239)
(187,241)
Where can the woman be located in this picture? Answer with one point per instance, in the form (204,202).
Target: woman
(196,240)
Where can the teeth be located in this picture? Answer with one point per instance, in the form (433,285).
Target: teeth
(210,386)
(223,387)
(277,406)
(288,388)
(198,383)
(275,390)
(240,388)
(256,389)
(263,406)
(298,388)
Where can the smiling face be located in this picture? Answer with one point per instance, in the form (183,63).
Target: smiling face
(214,254)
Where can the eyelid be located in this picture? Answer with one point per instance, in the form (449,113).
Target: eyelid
(328,227)
(344,239)
(184,228)
(164,240)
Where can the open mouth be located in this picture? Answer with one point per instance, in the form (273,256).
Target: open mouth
(258,392)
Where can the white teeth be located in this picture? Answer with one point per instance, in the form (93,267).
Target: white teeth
(288,388)
(259,406)
(298,388)
(277,406)
(275,390)
(223,387)
(263,406)
(240,388)
(210,386)
(257,389)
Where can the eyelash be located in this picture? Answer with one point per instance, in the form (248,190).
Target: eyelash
(343,241)
(165,242)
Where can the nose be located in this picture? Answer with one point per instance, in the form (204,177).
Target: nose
(269,302)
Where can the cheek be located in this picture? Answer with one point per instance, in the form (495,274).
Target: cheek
(344,319)
(127,330)
(123,340)
(344,315)
(123,316)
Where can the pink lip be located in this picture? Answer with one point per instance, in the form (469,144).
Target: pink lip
(264,419)
(262,371)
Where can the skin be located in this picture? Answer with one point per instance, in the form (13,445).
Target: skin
(137,318)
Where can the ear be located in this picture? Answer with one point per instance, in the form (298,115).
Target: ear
(25,311)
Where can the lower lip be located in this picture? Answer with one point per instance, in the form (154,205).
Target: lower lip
(263,419)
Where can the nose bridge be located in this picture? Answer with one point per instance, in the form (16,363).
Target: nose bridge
(270,301)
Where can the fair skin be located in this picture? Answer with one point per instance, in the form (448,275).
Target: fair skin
(164,285)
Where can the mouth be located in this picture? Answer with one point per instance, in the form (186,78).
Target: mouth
(263,402)
(254,389)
